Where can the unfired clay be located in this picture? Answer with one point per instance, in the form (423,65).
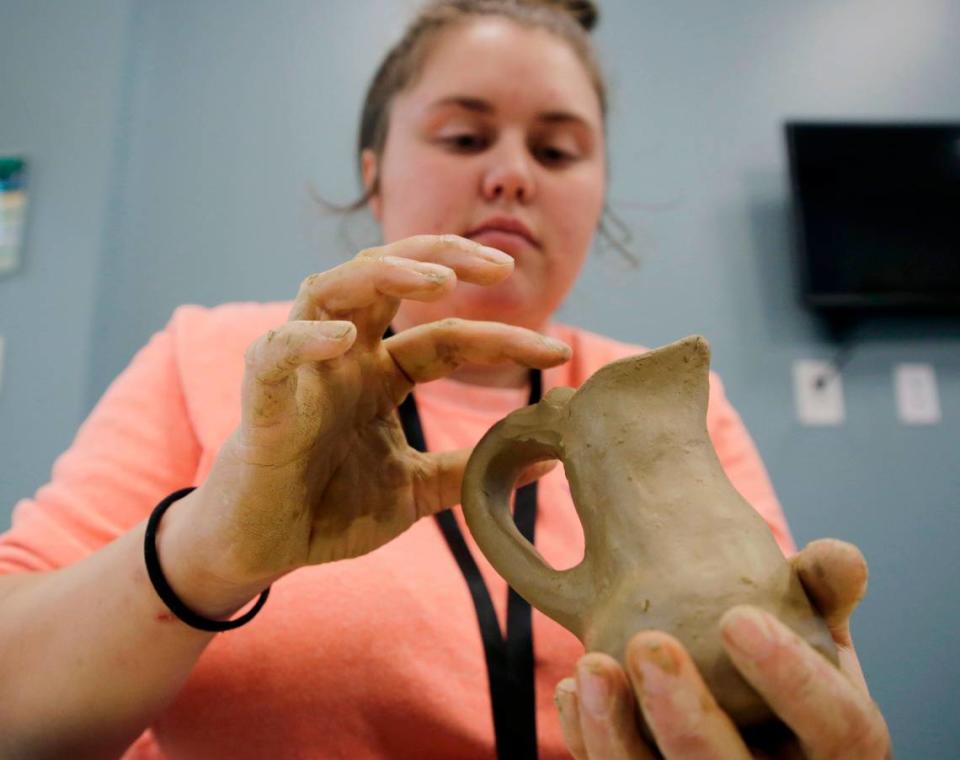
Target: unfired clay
(670,544)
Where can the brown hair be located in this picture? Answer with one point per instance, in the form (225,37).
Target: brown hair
(570,20)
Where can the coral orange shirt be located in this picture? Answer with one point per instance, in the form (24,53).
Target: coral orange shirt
(379,656)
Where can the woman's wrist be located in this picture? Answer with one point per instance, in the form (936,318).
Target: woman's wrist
(195,564)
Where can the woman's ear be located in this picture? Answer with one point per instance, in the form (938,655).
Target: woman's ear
(370,169)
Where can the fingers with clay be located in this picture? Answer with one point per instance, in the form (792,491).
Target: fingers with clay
(353,304)
(367,290)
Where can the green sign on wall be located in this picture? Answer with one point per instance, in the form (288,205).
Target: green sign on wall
(13,211)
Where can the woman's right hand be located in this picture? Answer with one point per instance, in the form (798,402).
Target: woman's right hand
(319,468)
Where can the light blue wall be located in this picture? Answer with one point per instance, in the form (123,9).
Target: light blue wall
(61,66)
(200,149)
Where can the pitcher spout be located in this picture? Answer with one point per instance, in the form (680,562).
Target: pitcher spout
(676,373)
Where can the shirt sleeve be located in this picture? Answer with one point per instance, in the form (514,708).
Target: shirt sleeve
(137,446)
(742,464)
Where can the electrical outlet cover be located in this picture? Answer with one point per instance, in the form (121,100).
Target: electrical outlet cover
(818,393)
(918,401)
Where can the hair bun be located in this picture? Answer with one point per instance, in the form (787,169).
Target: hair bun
(584,11)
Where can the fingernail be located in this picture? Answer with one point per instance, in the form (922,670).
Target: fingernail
(748,631)
(495,256)
(338,330)
(557,345)
(593,692)
(435,272)
(670,702)
(657,669)
(566,688)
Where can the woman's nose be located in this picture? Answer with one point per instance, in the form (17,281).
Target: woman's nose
(509,177)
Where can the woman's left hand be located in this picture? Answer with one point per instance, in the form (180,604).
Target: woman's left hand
(829,710)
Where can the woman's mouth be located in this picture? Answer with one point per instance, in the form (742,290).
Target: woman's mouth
(505,233)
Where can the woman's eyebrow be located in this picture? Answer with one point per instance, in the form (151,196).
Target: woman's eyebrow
(468,103)
(562,117)
(479,105)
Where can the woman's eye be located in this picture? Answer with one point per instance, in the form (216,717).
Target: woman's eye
(554,156)
(464,142)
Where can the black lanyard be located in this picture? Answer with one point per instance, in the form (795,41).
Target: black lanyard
(510,661)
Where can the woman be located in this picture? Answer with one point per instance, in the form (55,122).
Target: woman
(483,156)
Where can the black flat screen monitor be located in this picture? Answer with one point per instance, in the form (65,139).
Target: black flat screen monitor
(878,214)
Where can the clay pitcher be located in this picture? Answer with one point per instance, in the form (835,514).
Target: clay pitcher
(669,543)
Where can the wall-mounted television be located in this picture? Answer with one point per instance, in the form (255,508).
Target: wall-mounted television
(877,210)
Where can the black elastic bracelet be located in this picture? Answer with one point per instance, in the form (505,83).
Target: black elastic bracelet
(163,589)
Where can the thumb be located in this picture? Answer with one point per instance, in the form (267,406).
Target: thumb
(440,477)
(834,575)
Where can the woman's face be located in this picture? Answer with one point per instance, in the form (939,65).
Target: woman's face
(501,140)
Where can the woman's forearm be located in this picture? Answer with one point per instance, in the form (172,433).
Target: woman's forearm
(90,655)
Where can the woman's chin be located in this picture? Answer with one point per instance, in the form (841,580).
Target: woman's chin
(505,303)
(500,303)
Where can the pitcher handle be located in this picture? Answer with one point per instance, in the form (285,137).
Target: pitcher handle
(524,437)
